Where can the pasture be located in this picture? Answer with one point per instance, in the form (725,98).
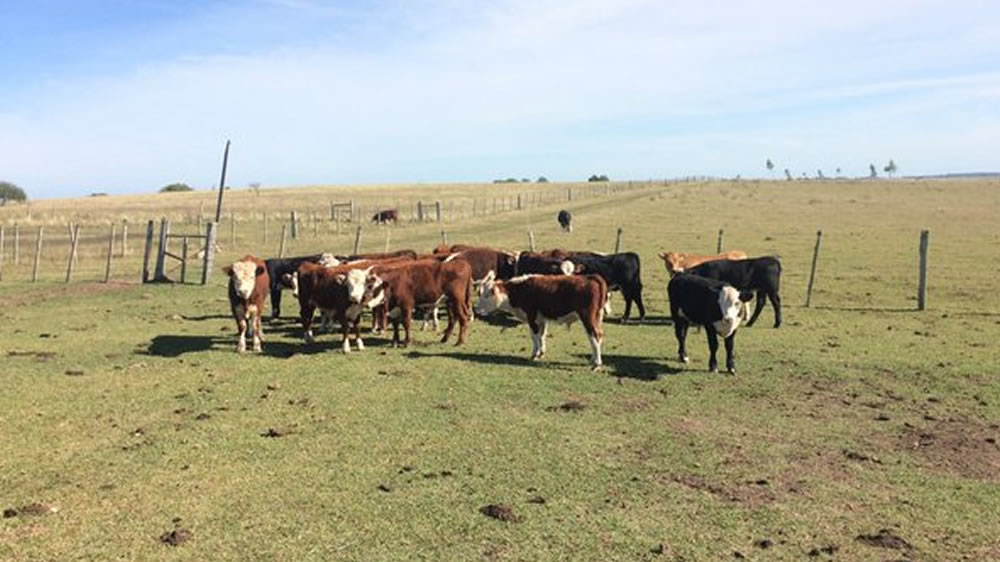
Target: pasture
(860,430)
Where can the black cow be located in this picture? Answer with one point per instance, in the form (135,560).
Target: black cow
(620,271)
(716,305)
(277,268)
(386,215)
(565,220)
(531,262)
(755,274)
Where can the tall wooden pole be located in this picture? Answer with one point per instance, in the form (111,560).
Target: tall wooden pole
(812,272)
(147,251)
(618,240)
(38,256)
(111,251)
(222,183)
(206,270)
(357,241)
(925,239)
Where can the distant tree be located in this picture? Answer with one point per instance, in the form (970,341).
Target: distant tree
(770,167)
(525,180)
(871,171)
(255,187)
(890,168)
(175,187)
(542,179)
(596,177)
(788,175)
(11,192)
(98,194)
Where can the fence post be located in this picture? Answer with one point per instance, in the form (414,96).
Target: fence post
(124,248)
(718,245)
(159,274)
(437,207)
(352,209)
(531,240)
(333,212)
(518,201)
(72,231)
(420,211)
(281,247)
(357,241)
(569,193)
(812,271)
(618,240)
(474,201)
(17,244)
(38,255)
(206,269)
(295,225)
(232,230)
(111,251)
(315,225)
(74,240)
(147,251)
(184,259)
(925,236)
(444,237)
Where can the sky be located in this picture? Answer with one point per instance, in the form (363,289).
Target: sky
(126,96)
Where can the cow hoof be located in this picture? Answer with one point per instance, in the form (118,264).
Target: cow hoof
(598,367)
(685,359)
(731,370)
(361,345)
(258,348)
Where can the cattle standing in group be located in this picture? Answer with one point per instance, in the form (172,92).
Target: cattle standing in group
(620,271)
(279,270)
(248,286)
(540,299)
(716,305)
(385,216)
(565,220)
(762,275)
(679,262)
(341,293)
(425,282)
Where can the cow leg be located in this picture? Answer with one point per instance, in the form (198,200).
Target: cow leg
(776,303)
(595,349)
(452,314)
(345,333)
(395,332)
(276,303)
(536,346)
(357,333)
(241,325)
(757,307)
(464,317)
(543,331)
(407,313)
(258,336)
(680,330)
(730,360)
(638,303)
(713,347)
(306,315)
(628,306)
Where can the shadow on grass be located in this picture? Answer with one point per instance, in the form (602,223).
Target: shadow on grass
(638,367)
(485,359)
(205,317)
(864,309)
(175,346)
(650,320)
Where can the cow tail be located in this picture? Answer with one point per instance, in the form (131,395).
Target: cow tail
(605,305)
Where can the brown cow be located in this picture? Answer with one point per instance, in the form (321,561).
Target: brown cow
(539,299)
(425,282)
(678,262)
(340,293)
(248,288)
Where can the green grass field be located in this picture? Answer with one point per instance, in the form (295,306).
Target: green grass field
(860,430)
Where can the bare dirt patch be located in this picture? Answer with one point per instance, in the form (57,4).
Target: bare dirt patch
(569,406)
(176,537)
(750,493)
(500,511)
(961,447)
(884,539)
(30,510)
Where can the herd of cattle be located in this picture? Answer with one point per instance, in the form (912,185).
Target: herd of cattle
(536,287)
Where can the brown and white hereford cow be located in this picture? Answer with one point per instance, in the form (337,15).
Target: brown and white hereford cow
(248,288)
(540,299)
(679,262)
(340,293)
(425,282)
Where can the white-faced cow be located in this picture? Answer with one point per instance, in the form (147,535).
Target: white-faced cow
(248,287)
(762,275)
(540,299)
(717,306)
(341,293)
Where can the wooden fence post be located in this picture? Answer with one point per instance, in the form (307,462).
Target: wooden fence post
(812,271)
(184,259)
(437,207)
(420,211)
(569,193)
(232,230)
(281,246)
(333,212)
(352,209)
(925,236)
(531,240)
(295,225)
(111,251)
(618,240)
(209,261)
(38,255)
(444,237)
(124,248)
(357,241)
(74,240)
(518,201)
(17,244)
(718,245)
(315,225)
(72,231)
(159,274)
(147,251)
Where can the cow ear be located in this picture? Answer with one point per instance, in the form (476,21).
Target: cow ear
(260,270)
(340,277)
(227,269)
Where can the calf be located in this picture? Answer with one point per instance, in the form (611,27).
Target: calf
(278,270)
(678,262)
(538,299)
(248,286)
(620,272)
(386,215)
(565,220)
(425,282)
(755,274)
(341,293)
(717,306)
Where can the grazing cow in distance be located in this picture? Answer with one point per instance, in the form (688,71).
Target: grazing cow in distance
(540,299)
(716,305)
(340,292)
(565,220)
(679,262)
(278,270)
(762,275)
(386,215)
(620,271)
(248,286)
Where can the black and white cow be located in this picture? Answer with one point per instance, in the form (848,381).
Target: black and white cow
(762,275)
(565,220)
(620,272)
(716,305)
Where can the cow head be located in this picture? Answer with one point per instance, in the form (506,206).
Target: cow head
(356,282)
(569,268)
(732,304)
(243,276)
(674,262)
(492,295)
(328,260)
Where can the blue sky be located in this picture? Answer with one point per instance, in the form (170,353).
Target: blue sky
(125,96)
